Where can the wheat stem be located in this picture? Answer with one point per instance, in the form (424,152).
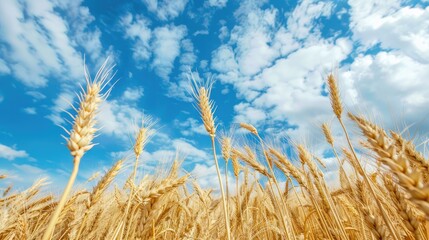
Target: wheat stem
(370,185)
(225,208)
(51,225)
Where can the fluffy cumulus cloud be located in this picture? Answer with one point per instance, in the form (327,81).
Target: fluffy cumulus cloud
(163,49)
(118,119)
(132,93)
(10,153)
(277,69)
(166,9)
(166,48)
(399,67)
(277,64)
(157,47)
(138,30)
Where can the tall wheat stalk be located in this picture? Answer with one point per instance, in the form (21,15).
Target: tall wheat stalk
(338,109)
(83,131)
(205,107)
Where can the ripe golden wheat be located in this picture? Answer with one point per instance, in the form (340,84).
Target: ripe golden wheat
(389,201)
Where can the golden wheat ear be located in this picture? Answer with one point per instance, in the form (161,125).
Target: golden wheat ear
(334,94)
(201,91)
(83,129)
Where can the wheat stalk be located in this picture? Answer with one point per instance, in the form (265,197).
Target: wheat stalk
(83,131)
(205,106)
(98,190)
(337,109)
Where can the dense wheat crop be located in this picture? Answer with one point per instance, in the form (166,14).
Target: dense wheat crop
(383,190)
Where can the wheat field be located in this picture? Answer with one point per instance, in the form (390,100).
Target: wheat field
(388,200)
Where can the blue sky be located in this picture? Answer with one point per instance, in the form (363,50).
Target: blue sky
(269,60)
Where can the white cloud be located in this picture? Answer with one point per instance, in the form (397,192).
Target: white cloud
(223,59)
(204,64)
(10,153)
(206,176)
(301,22)
(190,151)
(61,103)
(403,80)
(40,42)
(216,3)
(187,58)
(23,176)
(159,48)
(132,93)
(30,110)
(157,158)
(201,32)
(118,118)
(169,148)
(253,38)
(36,95)
(223,33)
(29,169)
(392,26)
(279,76)
(137,29)
(4,69)
(283,88)
(179,87)
(166,9)
(249,114)
(190,126)
(166,48)
(400,67)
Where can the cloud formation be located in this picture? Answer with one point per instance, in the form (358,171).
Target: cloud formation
(10,153)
